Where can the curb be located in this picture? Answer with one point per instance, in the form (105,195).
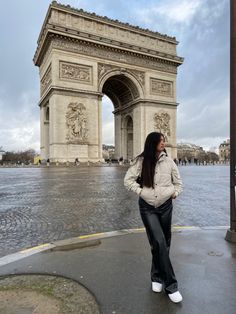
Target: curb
(88,241)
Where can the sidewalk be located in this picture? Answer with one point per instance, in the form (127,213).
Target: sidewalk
(116,270)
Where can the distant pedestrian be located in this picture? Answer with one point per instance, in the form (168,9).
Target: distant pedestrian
(121,160)
(76,162)
(185,161)
(155,178)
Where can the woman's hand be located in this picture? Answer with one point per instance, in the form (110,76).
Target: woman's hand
(173,195)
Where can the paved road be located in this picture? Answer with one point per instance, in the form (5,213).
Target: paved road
(39,205)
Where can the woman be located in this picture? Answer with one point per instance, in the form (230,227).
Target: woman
(155,178)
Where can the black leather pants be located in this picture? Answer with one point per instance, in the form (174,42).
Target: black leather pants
(157,222)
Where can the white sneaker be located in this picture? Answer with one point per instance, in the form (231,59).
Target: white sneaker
(156,286)
(175,297)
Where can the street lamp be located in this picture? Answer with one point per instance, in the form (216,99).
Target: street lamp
(231,233)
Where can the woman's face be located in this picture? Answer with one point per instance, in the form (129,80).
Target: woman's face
(161,145)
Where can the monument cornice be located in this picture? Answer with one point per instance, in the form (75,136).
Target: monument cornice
(117,23)
(80,35)
(60,20)
(66,91)
(103,19)
(69,43)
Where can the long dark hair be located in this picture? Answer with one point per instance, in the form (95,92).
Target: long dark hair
(149,155)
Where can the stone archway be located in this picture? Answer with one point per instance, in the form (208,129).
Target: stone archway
(83,56)
(124,90)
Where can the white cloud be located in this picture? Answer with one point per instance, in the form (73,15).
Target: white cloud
(107,121)
(19,123)
(108,133)
(175,12)
(21,138)
(179,11)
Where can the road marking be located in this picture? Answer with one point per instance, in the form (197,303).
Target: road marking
(24,253)
(35,248)
(91,235)
(43,247)
(186,227)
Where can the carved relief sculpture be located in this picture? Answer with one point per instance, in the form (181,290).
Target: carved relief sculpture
(46,80)
(128,35)
(162,124)
(76,72)
(76,122)
(104,68)
(161,87)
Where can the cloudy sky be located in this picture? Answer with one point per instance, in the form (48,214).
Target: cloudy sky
(201,27)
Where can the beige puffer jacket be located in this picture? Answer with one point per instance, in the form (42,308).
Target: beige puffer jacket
(167,180)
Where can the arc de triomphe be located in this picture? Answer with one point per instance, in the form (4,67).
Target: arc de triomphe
(81,57)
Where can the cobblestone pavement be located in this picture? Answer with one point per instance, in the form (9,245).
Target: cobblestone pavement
(40,205)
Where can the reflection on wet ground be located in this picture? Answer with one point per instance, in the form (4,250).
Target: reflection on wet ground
(40,205)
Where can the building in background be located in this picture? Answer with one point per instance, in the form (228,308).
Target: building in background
(2,152)
(224,151)
(108,151)
(191,153)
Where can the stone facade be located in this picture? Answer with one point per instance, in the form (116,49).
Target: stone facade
(81,57)
(194,153)
(224,151)
(188,151)
(2,152)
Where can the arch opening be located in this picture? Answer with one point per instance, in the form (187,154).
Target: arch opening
(121,90)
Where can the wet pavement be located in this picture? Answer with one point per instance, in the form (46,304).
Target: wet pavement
(117,273)
(40,205)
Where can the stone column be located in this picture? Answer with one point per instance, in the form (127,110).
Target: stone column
(45,134)
(42,133)
(138,130)
(118,135)
(99,107)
